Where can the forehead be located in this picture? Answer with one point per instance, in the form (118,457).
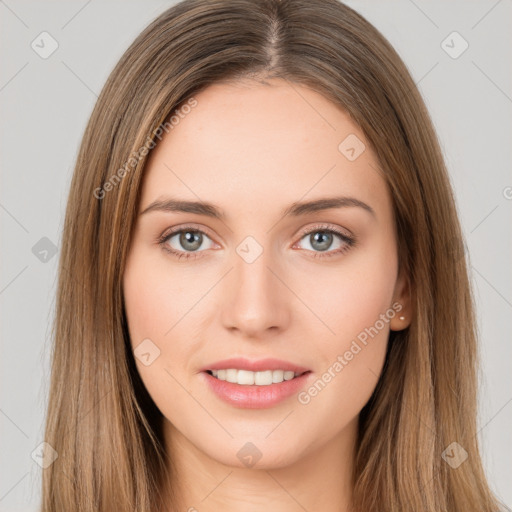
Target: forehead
(255,145)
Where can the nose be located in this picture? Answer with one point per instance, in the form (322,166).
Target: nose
(255,300)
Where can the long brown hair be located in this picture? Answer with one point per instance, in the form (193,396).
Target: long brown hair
(102,423)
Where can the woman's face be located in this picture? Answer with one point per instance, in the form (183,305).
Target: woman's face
(263,278)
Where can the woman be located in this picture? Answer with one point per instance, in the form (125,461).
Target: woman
(314,347)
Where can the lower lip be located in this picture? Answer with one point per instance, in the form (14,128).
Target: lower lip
(255,397)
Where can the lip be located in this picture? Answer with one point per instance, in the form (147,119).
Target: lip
(255,397)
(260,365)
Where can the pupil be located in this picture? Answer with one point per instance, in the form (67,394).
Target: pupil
(323,237)
(193,238)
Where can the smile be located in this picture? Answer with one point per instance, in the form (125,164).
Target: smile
(255,390)
(249,378)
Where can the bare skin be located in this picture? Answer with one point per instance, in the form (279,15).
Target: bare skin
(253,150)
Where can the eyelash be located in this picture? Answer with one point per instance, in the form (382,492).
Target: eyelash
(349,241)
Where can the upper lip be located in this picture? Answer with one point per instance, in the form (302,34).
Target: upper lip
(259,365)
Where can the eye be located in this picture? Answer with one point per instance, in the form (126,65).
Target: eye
(321,238)
(185,242)
(189,240)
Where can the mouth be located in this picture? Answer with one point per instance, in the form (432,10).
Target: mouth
(263,389)
(259,378)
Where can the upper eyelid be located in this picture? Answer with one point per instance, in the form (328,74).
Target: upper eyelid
(190,227)
(326,227)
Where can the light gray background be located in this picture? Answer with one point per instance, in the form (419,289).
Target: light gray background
(45,104)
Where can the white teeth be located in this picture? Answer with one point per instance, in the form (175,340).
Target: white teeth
(277,376)
(263,378)
(245,377)
(231,375)
(248,378)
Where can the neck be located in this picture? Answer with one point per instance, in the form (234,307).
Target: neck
(321,479)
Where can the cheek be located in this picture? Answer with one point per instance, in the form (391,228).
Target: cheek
(354,303)
(351,296)
(163,304)
(155,297)
(156,305)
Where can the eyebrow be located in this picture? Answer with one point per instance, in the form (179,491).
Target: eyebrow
(295,209)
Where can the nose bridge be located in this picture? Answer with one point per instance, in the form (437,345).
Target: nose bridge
(255,301)
(253,277)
